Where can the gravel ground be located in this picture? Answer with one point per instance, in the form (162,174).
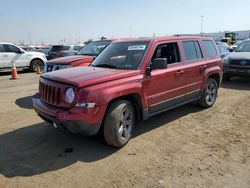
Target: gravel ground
(184,147)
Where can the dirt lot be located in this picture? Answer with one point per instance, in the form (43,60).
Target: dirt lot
(185,147)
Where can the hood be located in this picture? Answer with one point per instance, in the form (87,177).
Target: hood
(239,56)
(85,76)
(70,59)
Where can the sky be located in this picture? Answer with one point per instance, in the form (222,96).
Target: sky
(57,21)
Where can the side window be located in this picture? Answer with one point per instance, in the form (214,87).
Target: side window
(11,48)
(210,50)
(77,48)
(170,51)
(1,48)
(192,50)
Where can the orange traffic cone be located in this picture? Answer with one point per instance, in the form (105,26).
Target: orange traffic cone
(38,70)
(14,72)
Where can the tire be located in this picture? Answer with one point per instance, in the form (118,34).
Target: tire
(226,77)
(36,63)
(119,123)
(209,94)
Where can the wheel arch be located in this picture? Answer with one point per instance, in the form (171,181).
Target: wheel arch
(36,58)
(135,100)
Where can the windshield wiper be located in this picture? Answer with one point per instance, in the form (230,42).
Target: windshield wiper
(105,66)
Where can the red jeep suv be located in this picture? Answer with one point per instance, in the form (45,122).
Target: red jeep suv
(132,79)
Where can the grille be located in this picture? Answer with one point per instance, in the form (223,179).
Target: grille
(240,62)
(49,94)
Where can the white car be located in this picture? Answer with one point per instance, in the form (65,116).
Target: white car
(10,53)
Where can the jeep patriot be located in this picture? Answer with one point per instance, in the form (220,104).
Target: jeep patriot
(132,79)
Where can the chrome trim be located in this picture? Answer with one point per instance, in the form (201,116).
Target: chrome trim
(175,98)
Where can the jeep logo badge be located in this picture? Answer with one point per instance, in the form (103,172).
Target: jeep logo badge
(243,62)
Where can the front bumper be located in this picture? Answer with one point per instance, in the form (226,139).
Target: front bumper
(76,120)
(236,71)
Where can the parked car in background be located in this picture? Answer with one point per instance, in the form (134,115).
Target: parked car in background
(43,49)
(132,79)
(238,62)
(223,51)
(236,44)
(82,58)
(225,44)
(63,50)
(10,53)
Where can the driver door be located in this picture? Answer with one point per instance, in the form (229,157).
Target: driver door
(165,88)
(13,54)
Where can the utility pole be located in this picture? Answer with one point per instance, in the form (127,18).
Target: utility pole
(202,24)
(69,38)
(79,33)
(29,38)
(130,31)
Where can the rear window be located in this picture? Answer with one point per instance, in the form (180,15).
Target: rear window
(59,48)
(210,50)
(192,50)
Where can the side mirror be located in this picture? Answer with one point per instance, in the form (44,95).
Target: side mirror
(159,63)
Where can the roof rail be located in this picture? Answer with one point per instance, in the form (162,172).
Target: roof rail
(196,35)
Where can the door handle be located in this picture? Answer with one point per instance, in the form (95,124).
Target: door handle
(179,72)
(203,67)
(5,55)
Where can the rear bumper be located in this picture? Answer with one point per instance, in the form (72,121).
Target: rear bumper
(84,121)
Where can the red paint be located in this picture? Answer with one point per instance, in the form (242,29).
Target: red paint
(102,85)
(74,61)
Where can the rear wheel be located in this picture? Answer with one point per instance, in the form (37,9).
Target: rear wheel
(35,64)
(119,123)
(209,93)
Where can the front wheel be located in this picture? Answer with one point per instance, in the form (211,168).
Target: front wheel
(119,123)
(209,93)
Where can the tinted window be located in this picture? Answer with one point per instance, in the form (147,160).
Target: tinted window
(192,50)
(209,48)
(169,51)
(1,48)
(11,48)
(122,55)
(59,48)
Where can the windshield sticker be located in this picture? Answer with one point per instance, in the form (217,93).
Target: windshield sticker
(137,47)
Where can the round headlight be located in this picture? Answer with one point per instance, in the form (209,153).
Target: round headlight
(69,95)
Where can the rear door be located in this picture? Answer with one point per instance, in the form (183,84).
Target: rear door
(165,88)
(195,65)
(3,58)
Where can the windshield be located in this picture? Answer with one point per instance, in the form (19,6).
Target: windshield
(94,48)
(243,47)
(123,55)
